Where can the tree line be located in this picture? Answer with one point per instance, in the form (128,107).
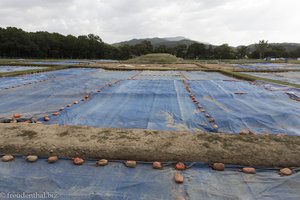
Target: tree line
(16,43)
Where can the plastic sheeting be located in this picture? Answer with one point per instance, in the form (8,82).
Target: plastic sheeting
(38,94)
(16,68)
(153,100)
(239,105)
(116,182)
(291,77)
(267,66)
(146,104)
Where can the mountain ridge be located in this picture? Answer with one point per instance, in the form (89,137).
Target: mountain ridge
(157,41)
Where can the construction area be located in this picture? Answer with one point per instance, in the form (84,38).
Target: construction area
(150,130)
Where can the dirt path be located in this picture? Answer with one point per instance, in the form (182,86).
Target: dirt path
(145,145)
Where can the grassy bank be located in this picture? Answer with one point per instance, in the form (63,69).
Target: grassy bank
(156,58)
(33,71)
(256,78)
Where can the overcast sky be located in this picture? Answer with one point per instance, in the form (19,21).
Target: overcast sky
(234,22)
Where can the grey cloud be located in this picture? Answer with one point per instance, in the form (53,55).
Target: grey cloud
(215,21)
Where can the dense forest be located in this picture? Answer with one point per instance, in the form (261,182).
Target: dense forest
(16,43)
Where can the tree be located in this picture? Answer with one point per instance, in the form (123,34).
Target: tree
(224,52)
(242,51)
(261,48)
(145,47)
(196,50)
(180,50)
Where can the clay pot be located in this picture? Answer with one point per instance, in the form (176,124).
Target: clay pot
(17,116)
(244,132)
(46,119)
(102,162)
(180,166)
(215,126)
(31,158)
(52,159)
(211,120)
(7,158)
(130,163)
(218,166)
(78,161)
(179,178)
(55,113)
(157,165)
(249,170)
(285,172)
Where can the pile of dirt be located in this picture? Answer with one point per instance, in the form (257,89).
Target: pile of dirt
(146,145)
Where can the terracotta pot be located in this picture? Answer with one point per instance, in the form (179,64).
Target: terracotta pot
(102,162)
(157,165)
(31,158)
(179,178)
(130,163)
(17,116)
(180,166)
(55,113)
(249,170)
(52,159)
(215,126)
(7,158)
(46,119)
(78,161)
(285,172)
(218,166)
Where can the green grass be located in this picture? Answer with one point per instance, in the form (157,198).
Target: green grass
(155,58)
(255,78)
(33,71)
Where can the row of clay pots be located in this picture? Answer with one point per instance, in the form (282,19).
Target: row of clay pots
(85,98)
(133,77)
(47,118)
(210,119)
(25,84)
(156,165)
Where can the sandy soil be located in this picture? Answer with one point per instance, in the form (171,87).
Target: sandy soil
(145,145)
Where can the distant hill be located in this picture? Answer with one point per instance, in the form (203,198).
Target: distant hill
(168,41)
(174,41)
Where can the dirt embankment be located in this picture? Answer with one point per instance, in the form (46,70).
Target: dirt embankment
(145,145)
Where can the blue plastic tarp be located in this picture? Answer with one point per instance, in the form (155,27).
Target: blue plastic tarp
(150,100)
(239,104)
(38,94)
(117,182)
(145,104)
